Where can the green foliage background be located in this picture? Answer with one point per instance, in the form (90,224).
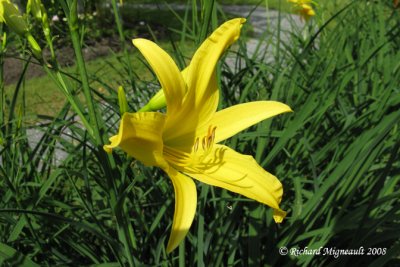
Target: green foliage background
(336,154)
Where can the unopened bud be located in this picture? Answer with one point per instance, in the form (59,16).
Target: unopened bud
(123,104)
(34,7)
(10,14)
(158,101)
(36,50)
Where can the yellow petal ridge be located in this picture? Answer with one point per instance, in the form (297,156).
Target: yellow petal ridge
(205,60)
(279,215)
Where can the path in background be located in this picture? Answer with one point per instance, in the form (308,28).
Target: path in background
(265,25)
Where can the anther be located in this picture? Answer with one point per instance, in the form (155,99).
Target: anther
(203,143)
(213,133)
(196,145)
(209,141)
(209,131)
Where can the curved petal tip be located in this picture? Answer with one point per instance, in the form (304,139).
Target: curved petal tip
(185,207)
(279,215)
(115,140)
(107,148)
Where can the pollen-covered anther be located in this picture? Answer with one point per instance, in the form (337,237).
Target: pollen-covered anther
(196,145)
(213,133)
(207,141)
(204,142)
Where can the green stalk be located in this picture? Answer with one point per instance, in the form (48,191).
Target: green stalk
(13,104)
(278,32)
(201,224)
(2,47)
(59,81)
(181,259)
(85,83)
(127,233)
(121,34)
(106,160)
(207,11)
(117,18)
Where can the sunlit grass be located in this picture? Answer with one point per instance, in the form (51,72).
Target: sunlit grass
(42,97)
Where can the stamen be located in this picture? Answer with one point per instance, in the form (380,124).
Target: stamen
(176,157)
(196,145)
(209,131)
(209,141)
(213,133)
(206,141)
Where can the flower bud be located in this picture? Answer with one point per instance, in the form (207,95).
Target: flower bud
(158,101)
(123,104)
(304,8)
(34,7)
(36,50)
(10,14)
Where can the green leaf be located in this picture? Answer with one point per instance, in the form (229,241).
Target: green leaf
(10,257)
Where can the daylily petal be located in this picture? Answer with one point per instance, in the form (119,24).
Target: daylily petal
(158,101)
(167,72)
(183,137)
(202,96)
(236,118)
(139,135)
(224,167)
(185,207)
(205,59)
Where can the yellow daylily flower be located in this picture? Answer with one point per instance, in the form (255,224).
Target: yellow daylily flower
(184,141)
(306,11)
(304,8)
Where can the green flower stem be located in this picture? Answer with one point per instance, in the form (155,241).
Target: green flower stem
(2,47)
(108,161)
(126,236)
(59,81)
(117,18)
(182,254)
(207,11)
(85,85)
